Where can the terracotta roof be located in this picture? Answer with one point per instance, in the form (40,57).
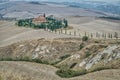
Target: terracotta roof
(40,19)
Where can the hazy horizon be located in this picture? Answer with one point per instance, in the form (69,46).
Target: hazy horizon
(69,0)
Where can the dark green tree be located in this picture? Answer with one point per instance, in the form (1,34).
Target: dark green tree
(66,23)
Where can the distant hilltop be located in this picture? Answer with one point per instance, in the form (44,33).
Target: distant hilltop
(82,8)
(3,0)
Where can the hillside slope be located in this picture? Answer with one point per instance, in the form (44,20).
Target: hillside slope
(27,71)
(29,9)
(10,33)
(72,53)
(55,50)
(33,71)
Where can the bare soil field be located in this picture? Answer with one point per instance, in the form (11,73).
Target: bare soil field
(9,33)
(93,25)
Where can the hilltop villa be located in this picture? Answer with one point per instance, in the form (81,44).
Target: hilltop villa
(40,19)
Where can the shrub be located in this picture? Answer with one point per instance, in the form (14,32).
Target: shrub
(96,41)
(85,38)
(6,59)
(81,46)
(65,56)
(24,59)
(87,54)
(67,73)
(9,59)
(36,60)
(73,65)
(56,62)
(1,58)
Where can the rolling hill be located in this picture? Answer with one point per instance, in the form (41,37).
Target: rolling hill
(102,63)
(87,49)
(30,10)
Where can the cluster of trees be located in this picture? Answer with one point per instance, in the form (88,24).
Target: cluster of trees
(54,24)
(109,17)
(25,22)
(51,23)
(68,73)
(103,35)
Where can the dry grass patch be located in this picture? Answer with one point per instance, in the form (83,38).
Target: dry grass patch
(27,71)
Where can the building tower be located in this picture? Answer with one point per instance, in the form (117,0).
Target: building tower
(44,15)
